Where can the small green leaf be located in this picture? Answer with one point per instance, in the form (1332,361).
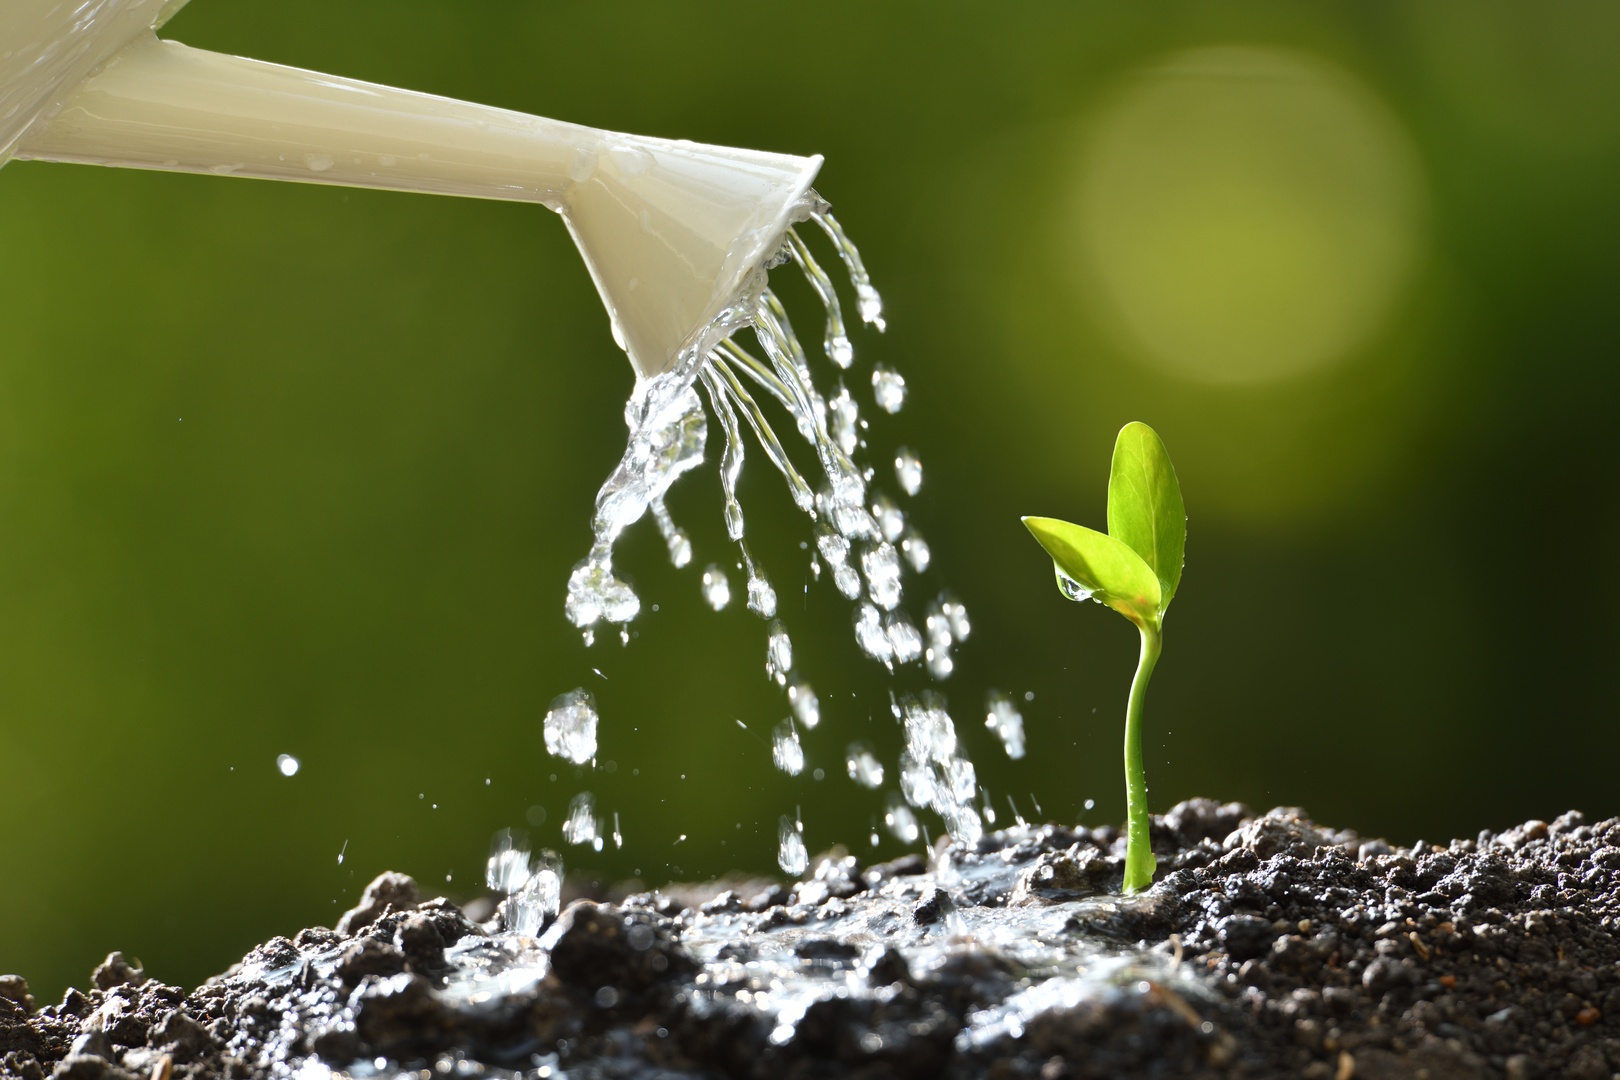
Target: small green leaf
(1145,510)
(1112,572)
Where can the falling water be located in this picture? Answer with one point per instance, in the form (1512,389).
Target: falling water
(570,726)
(791,854)
(1003,718)
(716,587)
(786,750)
(583,826)
(863,766)
(862,536)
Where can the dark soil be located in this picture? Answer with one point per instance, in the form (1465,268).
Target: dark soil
(1269,947)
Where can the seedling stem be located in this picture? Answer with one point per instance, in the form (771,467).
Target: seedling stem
(1139,861)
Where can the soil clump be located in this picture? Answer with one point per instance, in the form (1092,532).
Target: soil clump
(1269,946)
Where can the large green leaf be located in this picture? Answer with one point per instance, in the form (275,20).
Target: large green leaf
(1110,571)
(1145,510)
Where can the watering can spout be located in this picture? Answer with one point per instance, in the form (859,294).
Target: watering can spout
(671,231)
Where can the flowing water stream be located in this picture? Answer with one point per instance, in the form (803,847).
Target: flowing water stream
(861,537)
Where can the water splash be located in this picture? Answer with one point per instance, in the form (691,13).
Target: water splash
(1003,718)
(508,866)
(539,898)
(570,726)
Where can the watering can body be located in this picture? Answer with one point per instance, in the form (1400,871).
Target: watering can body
(672,231)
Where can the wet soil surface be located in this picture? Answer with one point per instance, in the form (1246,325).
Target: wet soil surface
(1268,947)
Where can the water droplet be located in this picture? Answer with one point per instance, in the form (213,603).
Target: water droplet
(1071,588)
(582,826)
(595,595)
(891,522)
(844,420)
(778,653)
(786,750)
(570,726)
(863,766)
(904,640)
(716,588)
(791,855)
(287,764)
(908,471)
(761,597)
(953,611)
(889,388)
(916,550)
(881,567)
(900,821)
(805,704)
(870,636)
(1003,718)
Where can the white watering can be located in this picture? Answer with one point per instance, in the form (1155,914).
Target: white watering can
(670,230)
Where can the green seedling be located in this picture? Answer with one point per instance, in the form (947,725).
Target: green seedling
(1133,568)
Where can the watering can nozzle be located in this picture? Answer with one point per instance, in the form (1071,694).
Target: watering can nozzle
(672,231)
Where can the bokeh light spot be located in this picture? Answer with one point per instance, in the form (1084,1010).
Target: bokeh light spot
(1246,214)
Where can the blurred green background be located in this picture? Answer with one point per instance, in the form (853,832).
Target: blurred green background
(286,469)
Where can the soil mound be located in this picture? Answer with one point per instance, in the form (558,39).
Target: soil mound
(1269,947)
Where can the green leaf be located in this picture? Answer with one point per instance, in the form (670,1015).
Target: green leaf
(1145,510)
(1112,572)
